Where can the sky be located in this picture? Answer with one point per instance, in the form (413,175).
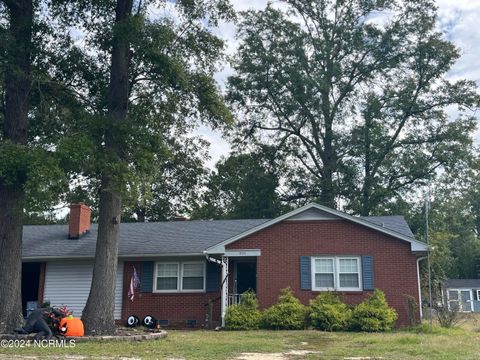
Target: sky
(458,20)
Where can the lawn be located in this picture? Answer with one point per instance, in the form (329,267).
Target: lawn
(456,343)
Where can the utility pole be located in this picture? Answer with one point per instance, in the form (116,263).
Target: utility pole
(427,209)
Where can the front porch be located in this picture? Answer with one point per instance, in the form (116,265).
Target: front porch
(239,274)
(243,277)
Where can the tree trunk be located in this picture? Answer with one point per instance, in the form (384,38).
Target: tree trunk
(328,191)
(12,194)
(365,206)
(98,315)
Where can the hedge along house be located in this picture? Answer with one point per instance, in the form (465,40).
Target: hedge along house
(182,265)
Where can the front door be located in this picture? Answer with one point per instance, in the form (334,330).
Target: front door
(466,300)
(245,276)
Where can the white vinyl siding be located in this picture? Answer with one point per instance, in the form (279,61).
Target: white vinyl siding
(336,273)
(187,276)
(68,283)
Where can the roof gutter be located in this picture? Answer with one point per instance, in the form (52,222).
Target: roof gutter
(223,262)
(88,257)
(419,286)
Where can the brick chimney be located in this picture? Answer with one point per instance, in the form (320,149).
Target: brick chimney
(79,221)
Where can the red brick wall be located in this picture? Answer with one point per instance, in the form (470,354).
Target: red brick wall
(79,221)
(281,246)
(175,307)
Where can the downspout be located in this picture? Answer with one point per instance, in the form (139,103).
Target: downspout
(419,287)
(224,284)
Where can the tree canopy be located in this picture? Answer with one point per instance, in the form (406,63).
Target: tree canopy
(356,101)
(243,186)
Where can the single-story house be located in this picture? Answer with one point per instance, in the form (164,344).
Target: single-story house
(182,265)
(462,294)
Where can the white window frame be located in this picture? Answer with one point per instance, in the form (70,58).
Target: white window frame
(459,299)
(180,268)
(336,273)
(204,275)
(478,295)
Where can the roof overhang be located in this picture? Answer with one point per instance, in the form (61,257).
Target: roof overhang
(416,246)
(122,257)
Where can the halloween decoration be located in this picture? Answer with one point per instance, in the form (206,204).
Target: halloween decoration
(71,326)
(149,321)
(132,321)
(45,322)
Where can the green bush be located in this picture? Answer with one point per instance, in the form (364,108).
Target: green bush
(328,312)
(245,315)
(287,314)
(374,314)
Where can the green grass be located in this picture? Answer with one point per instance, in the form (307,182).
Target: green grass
(439,344)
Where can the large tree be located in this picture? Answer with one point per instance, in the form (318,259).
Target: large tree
(31,171)
(143,82)
(17,52)
(98,314)
(354,93)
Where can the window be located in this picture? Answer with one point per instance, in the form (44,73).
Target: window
(478,295)
(193,276)
(336,273)
(324,273)
(180,276)
(167,276)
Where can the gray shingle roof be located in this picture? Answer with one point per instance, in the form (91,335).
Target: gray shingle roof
(462,284)
(395,223)
(169,237)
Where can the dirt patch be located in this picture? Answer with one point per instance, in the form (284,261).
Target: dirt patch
(274,356)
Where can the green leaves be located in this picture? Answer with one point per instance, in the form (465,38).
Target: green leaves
(244,186)
(36,170)
(358,106)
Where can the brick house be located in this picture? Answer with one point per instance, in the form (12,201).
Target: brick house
(184,264)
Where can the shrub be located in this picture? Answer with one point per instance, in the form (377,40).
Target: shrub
(287,314)
(245,315)
(374,314)
(448,318)
(328,312)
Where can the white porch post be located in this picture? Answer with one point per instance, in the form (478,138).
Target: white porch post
(224,295)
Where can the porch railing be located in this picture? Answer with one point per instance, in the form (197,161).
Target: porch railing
(234,299)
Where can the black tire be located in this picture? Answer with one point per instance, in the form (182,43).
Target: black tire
(132,321)
(149,321)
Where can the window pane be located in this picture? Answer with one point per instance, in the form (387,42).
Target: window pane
(166,283)
(453,295)
(167,270)
(348,265)
(193,283)
(324,265)
(454,305)
(324,280)
(349,281)
(192,270)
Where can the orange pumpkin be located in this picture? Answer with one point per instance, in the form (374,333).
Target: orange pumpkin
(71,326)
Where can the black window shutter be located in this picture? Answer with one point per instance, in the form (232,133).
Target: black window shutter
(146,277)
(213,277)
(367,272)
(305,273)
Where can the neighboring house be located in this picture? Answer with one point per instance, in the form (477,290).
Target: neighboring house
(184,264)
(462,294)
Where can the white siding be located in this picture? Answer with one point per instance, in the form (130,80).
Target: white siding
(68,283)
